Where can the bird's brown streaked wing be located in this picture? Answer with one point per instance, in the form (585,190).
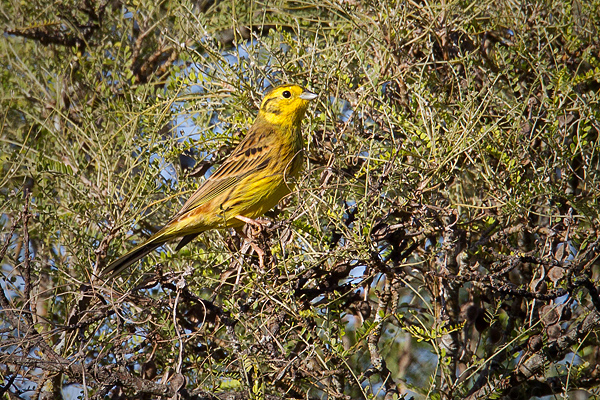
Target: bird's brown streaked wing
(232,171)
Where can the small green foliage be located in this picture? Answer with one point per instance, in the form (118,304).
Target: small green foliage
(432,334)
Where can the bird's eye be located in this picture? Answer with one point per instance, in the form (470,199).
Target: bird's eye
(286,94)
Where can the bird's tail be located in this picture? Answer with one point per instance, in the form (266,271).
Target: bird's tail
(116,267)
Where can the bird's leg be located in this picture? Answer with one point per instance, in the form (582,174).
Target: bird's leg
(250,221)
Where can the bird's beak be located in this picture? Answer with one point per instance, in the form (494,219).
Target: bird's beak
(306,95)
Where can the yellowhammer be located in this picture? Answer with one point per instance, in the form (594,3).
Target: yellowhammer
(249,183)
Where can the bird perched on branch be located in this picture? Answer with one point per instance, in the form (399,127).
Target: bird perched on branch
(251,181)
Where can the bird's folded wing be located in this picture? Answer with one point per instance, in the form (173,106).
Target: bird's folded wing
(237,167)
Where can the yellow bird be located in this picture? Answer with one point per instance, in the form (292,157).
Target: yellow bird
(250,181)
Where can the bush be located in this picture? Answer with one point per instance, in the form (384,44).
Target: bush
(441,243)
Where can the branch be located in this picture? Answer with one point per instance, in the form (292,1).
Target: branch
(526,373)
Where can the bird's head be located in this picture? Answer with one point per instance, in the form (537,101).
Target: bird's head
(285,105)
